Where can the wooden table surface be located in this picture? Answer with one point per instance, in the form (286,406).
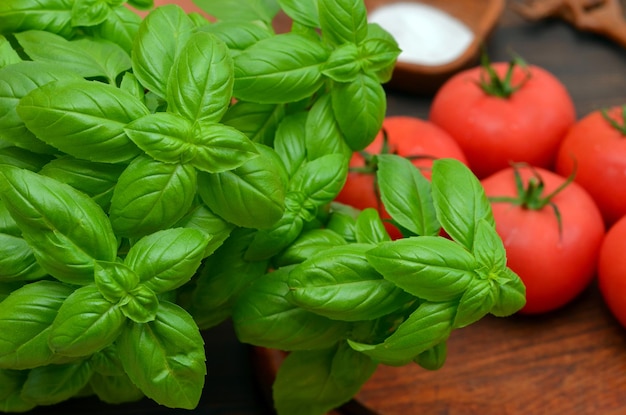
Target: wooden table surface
(570,362)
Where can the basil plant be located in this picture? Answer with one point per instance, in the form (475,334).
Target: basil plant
(159,176)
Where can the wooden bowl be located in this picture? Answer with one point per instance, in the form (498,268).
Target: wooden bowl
(480,17)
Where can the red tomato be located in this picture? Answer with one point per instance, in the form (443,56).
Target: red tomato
(407,136)
(555,265)
(598,151)
(612,270)
(494,131)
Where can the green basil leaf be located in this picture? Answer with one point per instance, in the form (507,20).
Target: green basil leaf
(425,328)
(131,84)
(247,10)
(115,389)
(359,107)
(489,248)
(289,70)
(308,244)
(22,158)
(165,358)
(90,12)
(406,195)
(17,260)
(16,81)
(107,362)
(142,4)
(342,285)
(343,21)
(257,121)
(94,117)
(475,303)
(48,385)
(86,57)
(121,27)
(302,12)
(269,242)
(342,220)
(210,147)
(8,225)
(370,228)
(52,15)
(290,141)
(86,323)
(333,377)
(238,35)
(8,55)
(343,64)
(226,272)
(98,180)
(114,280)
(433,358)
(378,52)
(140,305)
(26,317)
(167,259)
(141,202)
(202,219)
(12,382)
(264,317)
(65,228)
(510,294)
(162,35)
(318,182)
(252,195)
(200,83)
(418,265)
(460,201)
(323,135)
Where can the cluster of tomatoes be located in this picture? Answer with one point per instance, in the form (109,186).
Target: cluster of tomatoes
(557,184)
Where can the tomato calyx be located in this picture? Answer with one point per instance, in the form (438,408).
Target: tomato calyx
(530,196)
(614,123)
(492,84)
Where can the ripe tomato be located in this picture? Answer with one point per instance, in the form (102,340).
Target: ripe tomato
(597,149)
(493,129)
(612,270)
(406,136)
(555,262)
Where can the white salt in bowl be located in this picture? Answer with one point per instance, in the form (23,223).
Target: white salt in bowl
(438,37)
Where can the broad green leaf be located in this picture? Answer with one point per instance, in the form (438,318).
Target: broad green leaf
(238,35)
(162,35)
(114,280)
(425,328)
(121,26)
(359,107)
(370,228)
(460,200)
(94,117)
(406,195)
(86,57)
(252,195)
(318,182)
(54,16)
(313,382)
(269,242)
(107,362)
(343,221)
(25,320)
(48,385)
(202,219)
(85,324)
(226,272)
(290,141)
(257,121)
(115,389)
(433,358)
(131,84)
(66,229)
(343,64)
(279,69)
(246,10)
(343,21)
(308,244)
(142,4)
(22,158)
(378,52)
(510,295)
(263,316)
(90,12)
(475,303)
(17,260)
(489,248)
(323,135)
(167,259)
(8,55)
(95,179)
(303,12)
(8,225)
(12,382)
(342,285)
(140,305)
(208,146)
(150,196)
(165,358)
(429,267)
(200,84)
(16,81)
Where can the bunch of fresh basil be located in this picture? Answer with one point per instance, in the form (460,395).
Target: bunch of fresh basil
(159,176)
